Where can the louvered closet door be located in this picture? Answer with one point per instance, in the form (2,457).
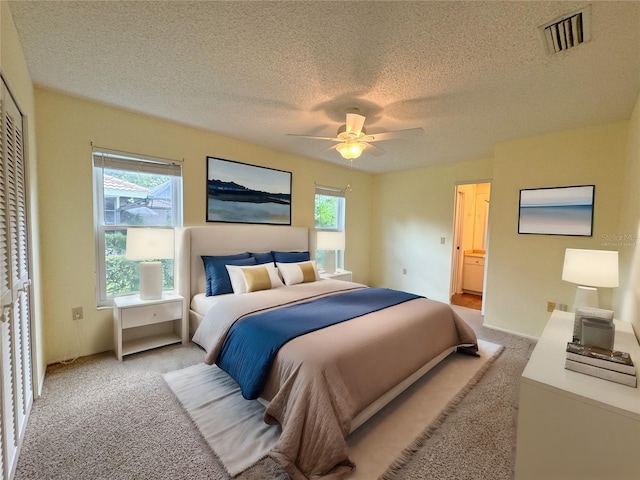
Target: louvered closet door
(15,349)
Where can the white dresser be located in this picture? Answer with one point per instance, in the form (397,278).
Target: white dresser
(571,425)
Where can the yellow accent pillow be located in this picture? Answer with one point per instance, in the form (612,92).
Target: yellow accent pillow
(300,272)
(308,272)
(238,276)
(256,279)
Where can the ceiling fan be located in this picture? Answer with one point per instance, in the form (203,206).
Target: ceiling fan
(353,138)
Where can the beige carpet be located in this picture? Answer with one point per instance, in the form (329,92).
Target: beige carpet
(374,446)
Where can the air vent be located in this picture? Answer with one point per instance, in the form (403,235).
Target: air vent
(567,32)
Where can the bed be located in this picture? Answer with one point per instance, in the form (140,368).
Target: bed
(321,385)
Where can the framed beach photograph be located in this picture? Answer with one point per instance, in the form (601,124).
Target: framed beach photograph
(557,211)
(242,193)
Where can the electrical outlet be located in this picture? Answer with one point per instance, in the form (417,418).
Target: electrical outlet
(442,240)
(404,271)
(551,306)
(76,313)
(562,307)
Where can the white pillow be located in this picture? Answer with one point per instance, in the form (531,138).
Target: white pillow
(300,272)
(253,278)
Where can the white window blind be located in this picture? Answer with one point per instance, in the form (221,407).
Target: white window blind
(135,163)
(330,191)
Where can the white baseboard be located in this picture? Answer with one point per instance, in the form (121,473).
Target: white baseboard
(511,332)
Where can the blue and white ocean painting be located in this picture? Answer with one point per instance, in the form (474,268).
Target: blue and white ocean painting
(557,211)
(242,193)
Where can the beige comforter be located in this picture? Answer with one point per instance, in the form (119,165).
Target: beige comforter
(320,381)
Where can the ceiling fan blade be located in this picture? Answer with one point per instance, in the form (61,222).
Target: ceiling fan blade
(396,134)
(333,139)
(327,149)
(374,150)
(355,122)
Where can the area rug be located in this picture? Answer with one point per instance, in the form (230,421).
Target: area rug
(233,426)
(388,439)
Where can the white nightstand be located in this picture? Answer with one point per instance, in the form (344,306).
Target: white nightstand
(338,275)
(144,324)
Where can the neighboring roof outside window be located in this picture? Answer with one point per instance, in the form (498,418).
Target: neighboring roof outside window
(162,191)
(115,187)
(160,196)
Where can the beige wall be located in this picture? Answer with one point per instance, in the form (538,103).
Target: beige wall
(525,270)
(66,128)
(627,299)
(414,209)
(14,70)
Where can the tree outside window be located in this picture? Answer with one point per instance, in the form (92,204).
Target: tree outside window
(329,215)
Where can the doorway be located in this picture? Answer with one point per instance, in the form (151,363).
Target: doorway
(470,245)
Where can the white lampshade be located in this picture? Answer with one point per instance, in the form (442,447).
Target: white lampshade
(590,269)
(150,244)
(329,240)
(593,268)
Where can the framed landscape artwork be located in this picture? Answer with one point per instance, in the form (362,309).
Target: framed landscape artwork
(557,211)
(242,193)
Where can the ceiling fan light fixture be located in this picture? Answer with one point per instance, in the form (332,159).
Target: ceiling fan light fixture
(345,134)
(352,137)
(350,150)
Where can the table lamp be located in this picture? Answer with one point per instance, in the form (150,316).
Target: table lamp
(330,242)
(590,269)
(150,244)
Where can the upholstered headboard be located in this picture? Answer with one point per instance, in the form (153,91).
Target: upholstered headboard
(193,242)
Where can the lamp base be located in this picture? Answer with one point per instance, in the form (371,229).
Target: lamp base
(586,297)
(330,261)
(151,280)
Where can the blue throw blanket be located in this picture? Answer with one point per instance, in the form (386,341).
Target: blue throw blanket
(253,341)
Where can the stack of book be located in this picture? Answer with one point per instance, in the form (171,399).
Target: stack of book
(611,365)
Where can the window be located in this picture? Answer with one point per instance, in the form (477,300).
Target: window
(131,190)
(330,216)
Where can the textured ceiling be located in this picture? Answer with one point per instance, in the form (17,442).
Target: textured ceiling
(471,74)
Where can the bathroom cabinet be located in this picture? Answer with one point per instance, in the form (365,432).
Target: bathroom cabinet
(473,272)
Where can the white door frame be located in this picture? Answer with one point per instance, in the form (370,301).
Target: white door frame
(457,254)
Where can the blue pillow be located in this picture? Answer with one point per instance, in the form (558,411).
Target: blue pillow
(262,258)
(218,281)
(291,257)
